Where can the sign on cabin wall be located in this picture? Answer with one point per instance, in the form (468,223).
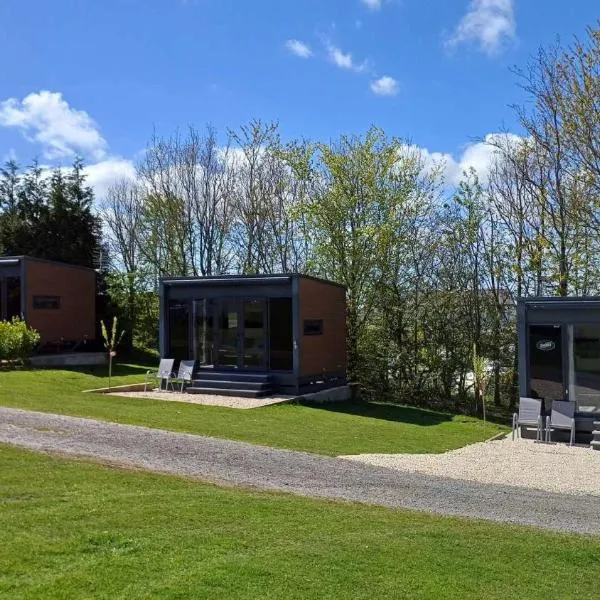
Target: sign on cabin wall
(545,345)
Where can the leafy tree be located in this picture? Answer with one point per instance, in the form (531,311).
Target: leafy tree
(51,219)
(351,219)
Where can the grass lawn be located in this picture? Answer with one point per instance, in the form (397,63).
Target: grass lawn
(344,428)
(74,530)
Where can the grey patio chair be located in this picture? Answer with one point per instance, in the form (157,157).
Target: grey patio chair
(185,372)
(530,414)
(561,417)
(165,374)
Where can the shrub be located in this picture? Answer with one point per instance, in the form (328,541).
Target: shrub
(17,340)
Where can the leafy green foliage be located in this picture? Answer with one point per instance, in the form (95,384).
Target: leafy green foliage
(111,338)
(17,340)
(137,307)
(363,188)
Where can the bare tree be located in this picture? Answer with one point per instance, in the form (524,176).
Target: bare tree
(256,182)
(553,173)
(122,218)
(187,209)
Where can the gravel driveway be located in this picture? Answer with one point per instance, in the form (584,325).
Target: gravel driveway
(525,463)
(207,399)
(237,463)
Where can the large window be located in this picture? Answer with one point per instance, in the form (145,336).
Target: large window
(545,363)
(254,333)
(232,333)
(179,331)
(586,367)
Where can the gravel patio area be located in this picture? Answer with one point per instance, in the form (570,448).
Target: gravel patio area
(207,399)
(524,463)
(259,467)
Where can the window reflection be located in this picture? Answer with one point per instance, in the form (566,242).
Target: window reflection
(254,333)
(204,331)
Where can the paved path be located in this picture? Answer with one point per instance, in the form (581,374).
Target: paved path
(237,463)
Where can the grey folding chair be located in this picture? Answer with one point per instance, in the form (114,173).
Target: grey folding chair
(165,374)
(530,415)
(562,417)
(185,372)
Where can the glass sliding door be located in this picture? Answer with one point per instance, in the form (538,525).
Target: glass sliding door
(254,337)
(204,331)
(240,332)
(228,333)
(179,330)
(585,367)
(546,379)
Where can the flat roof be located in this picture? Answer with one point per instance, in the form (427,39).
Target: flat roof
(556,304)
(12,260)
(557,299)
(250,279)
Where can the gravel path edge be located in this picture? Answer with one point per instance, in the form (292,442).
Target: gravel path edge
(239,464)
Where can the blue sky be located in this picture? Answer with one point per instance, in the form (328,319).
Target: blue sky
(95,77)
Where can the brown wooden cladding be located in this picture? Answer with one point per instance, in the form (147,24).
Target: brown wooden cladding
(75,317)
(326,352)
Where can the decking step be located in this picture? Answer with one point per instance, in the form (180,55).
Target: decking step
(595,444)
(231,376)
(229,392)
(226,384)
(596,433)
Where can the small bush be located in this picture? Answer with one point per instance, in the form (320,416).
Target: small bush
(17,340)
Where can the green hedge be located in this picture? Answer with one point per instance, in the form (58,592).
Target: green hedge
(17,340)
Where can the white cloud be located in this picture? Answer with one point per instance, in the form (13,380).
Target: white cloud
(476,155)
(377,5)
(439,161)
(480,155)
(298,48)
(488,23)
(101,175)
(372,4)
(47,119)
(344,60)
(385,86)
